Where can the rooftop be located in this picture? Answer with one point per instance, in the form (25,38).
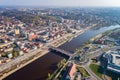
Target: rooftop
(113,60)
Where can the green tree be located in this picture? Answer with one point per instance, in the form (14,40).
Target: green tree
(4,54)
(15,53)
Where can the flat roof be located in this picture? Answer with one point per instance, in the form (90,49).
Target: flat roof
(113,61)
(116,59)
(113,69)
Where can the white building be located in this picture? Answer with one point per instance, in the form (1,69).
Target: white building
(113,58)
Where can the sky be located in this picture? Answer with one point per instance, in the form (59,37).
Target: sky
(109,3)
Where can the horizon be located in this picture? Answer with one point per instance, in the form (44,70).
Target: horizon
(33,6)
(61,3)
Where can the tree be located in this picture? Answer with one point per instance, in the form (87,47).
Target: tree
(49,75)
(4,54)
(58,65)
(15,53)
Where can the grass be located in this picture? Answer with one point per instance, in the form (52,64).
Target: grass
(59,66)
(83,59)
(96,69)
(106,32)
(82,71)
(51,76)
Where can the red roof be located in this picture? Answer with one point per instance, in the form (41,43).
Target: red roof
(32,36)
(72,70)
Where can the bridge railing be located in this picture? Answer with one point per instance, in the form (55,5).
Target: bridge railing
(61,51)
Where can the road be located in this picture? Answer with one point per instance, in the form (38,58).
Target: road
(32,53)
(92,55)
(91,73)
(95,54)
(18,60)
(60,71)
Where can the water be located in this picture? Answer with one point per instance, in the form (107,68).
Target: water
(79,40)
(39,69)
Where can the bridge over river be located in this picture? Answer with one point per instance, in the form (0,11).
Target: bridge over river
(61,51)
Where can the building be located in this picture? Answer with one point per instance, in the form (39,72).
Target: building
(17,31)
(113,59)
(70,71)
(21,53)
(32,36)
(4,60)
(9,55)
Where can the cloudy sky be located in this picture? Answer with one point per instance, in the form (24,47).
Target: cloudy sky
(109,3)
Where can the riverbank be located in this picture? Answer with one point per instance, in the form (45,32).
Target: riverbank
(32,58)
(40,54)
(66,38)
(51,58)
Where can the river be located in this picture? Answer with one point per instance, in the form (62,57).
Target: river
(39,69)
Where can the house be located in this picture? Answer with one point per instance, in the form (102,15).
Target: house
(21,53)
(4,60)
(9,55)
(25,49)
(72,71)
(39,45)
(69,73)
(1,59)
(32,36)
(9,49)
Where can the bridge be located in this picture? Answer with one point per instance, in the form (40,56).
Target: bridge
(60,51)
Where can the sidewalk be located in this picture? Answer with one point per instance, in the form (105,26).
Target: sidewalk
(18,61)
